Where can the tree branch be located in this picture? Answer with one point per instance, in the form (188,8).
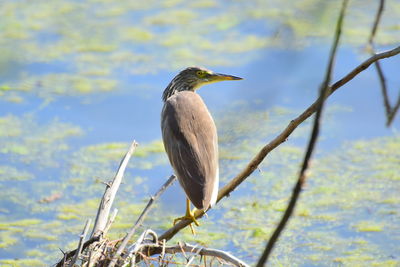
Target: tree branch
(71,253)
(109,194)
(311,145)
(282,137)
(80,244)
(184,247)
(139,221)
(389,110)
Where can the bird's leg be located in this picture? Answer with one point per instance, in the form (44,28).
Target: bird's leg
(188,216)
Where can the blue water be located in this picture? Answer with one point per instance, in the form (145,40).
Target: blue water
(285,76)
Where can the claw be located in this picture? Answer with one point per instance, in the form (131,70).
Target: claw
(189,216)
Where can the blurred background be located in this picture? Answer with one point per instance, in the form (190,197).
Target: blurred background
(80,80)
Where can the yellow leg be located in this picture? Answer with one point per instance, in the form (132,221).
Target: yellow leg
(188,216)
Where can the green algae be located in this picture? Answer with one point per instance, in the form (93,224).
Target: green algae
(35,253)
(16,226)
(9,173)
(367,226)
(40,235)
(22,262)
(27,141)
(92,37)
(247,220)
(7,239)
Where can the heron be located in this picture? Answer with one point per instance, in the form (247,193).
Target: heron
(190,138)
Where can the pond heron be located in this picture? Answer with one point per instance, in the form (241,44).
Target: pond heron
(190,137)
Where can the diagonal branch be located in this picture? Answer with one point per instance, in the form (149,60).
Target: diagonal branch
(102,222)
(109,194)
(281,138)
(311,145)
(395,109)
(390,110)
(139,221)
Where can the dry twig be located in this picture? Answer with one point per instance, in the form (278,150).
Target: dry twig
(80,244)
(104,207)
(109,194)
(197,250)
(281,138)
(311,145)
(71,253)
(140,220)
(390,110)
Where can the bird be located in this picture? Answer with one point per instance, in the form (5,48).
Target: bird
(190,138)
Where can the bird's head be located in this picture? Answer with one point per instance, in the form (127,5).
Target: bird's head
(192,78)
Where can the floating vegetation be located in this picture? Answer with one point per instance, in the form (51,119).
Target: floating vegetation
(8,173)
(341,186)
(61,35)
(66,50)
(26,141)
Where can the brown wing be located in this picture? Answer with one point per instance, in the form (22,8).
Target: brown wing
(190,139)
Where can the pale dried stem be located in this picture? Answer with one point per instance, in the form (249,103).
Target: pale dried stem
(139,221)
(197,250)
(109,194)
(80,244)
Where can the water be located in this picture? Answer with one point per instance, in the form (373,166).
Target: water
(80,80)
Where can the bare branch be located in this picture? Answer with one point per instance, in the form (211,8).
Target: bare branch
(282,137)
(184,247)
(105,206)
(378,16)
(395,109)
(382,81)
(389,110)
(109,194)
(80,244)
(311,145)
(72,252)
(379,71)
(140,220)
(110,221)
(363,66)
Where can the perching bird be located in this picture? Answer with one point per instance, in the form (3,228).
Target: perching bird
(190,137)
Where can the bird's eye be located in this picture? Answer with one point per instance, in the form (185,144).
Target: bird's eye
(200,74)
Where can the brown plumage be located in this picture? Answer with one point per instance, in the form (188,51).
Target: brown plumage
(192,146)
(190,136)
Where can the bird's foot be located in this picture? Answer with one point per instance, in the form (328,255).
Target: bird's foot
(189,216)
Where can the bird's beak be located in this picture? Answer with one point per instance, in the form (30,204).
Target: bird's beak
(216,77)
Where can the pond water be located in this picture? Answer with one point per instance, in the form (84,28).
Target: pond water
(80,80)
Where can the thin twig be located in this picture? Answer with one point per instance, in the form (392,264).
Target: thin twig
(389,110)
(184,247)
(140,220)
(109,194)
(162,255)
(379,71)
(382,81)
(377,19)
(105,204)
(80,244)
(110,221)
(197,252)
(133,250)
(394,112)
(281,138)
(72,252)
(311,145)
